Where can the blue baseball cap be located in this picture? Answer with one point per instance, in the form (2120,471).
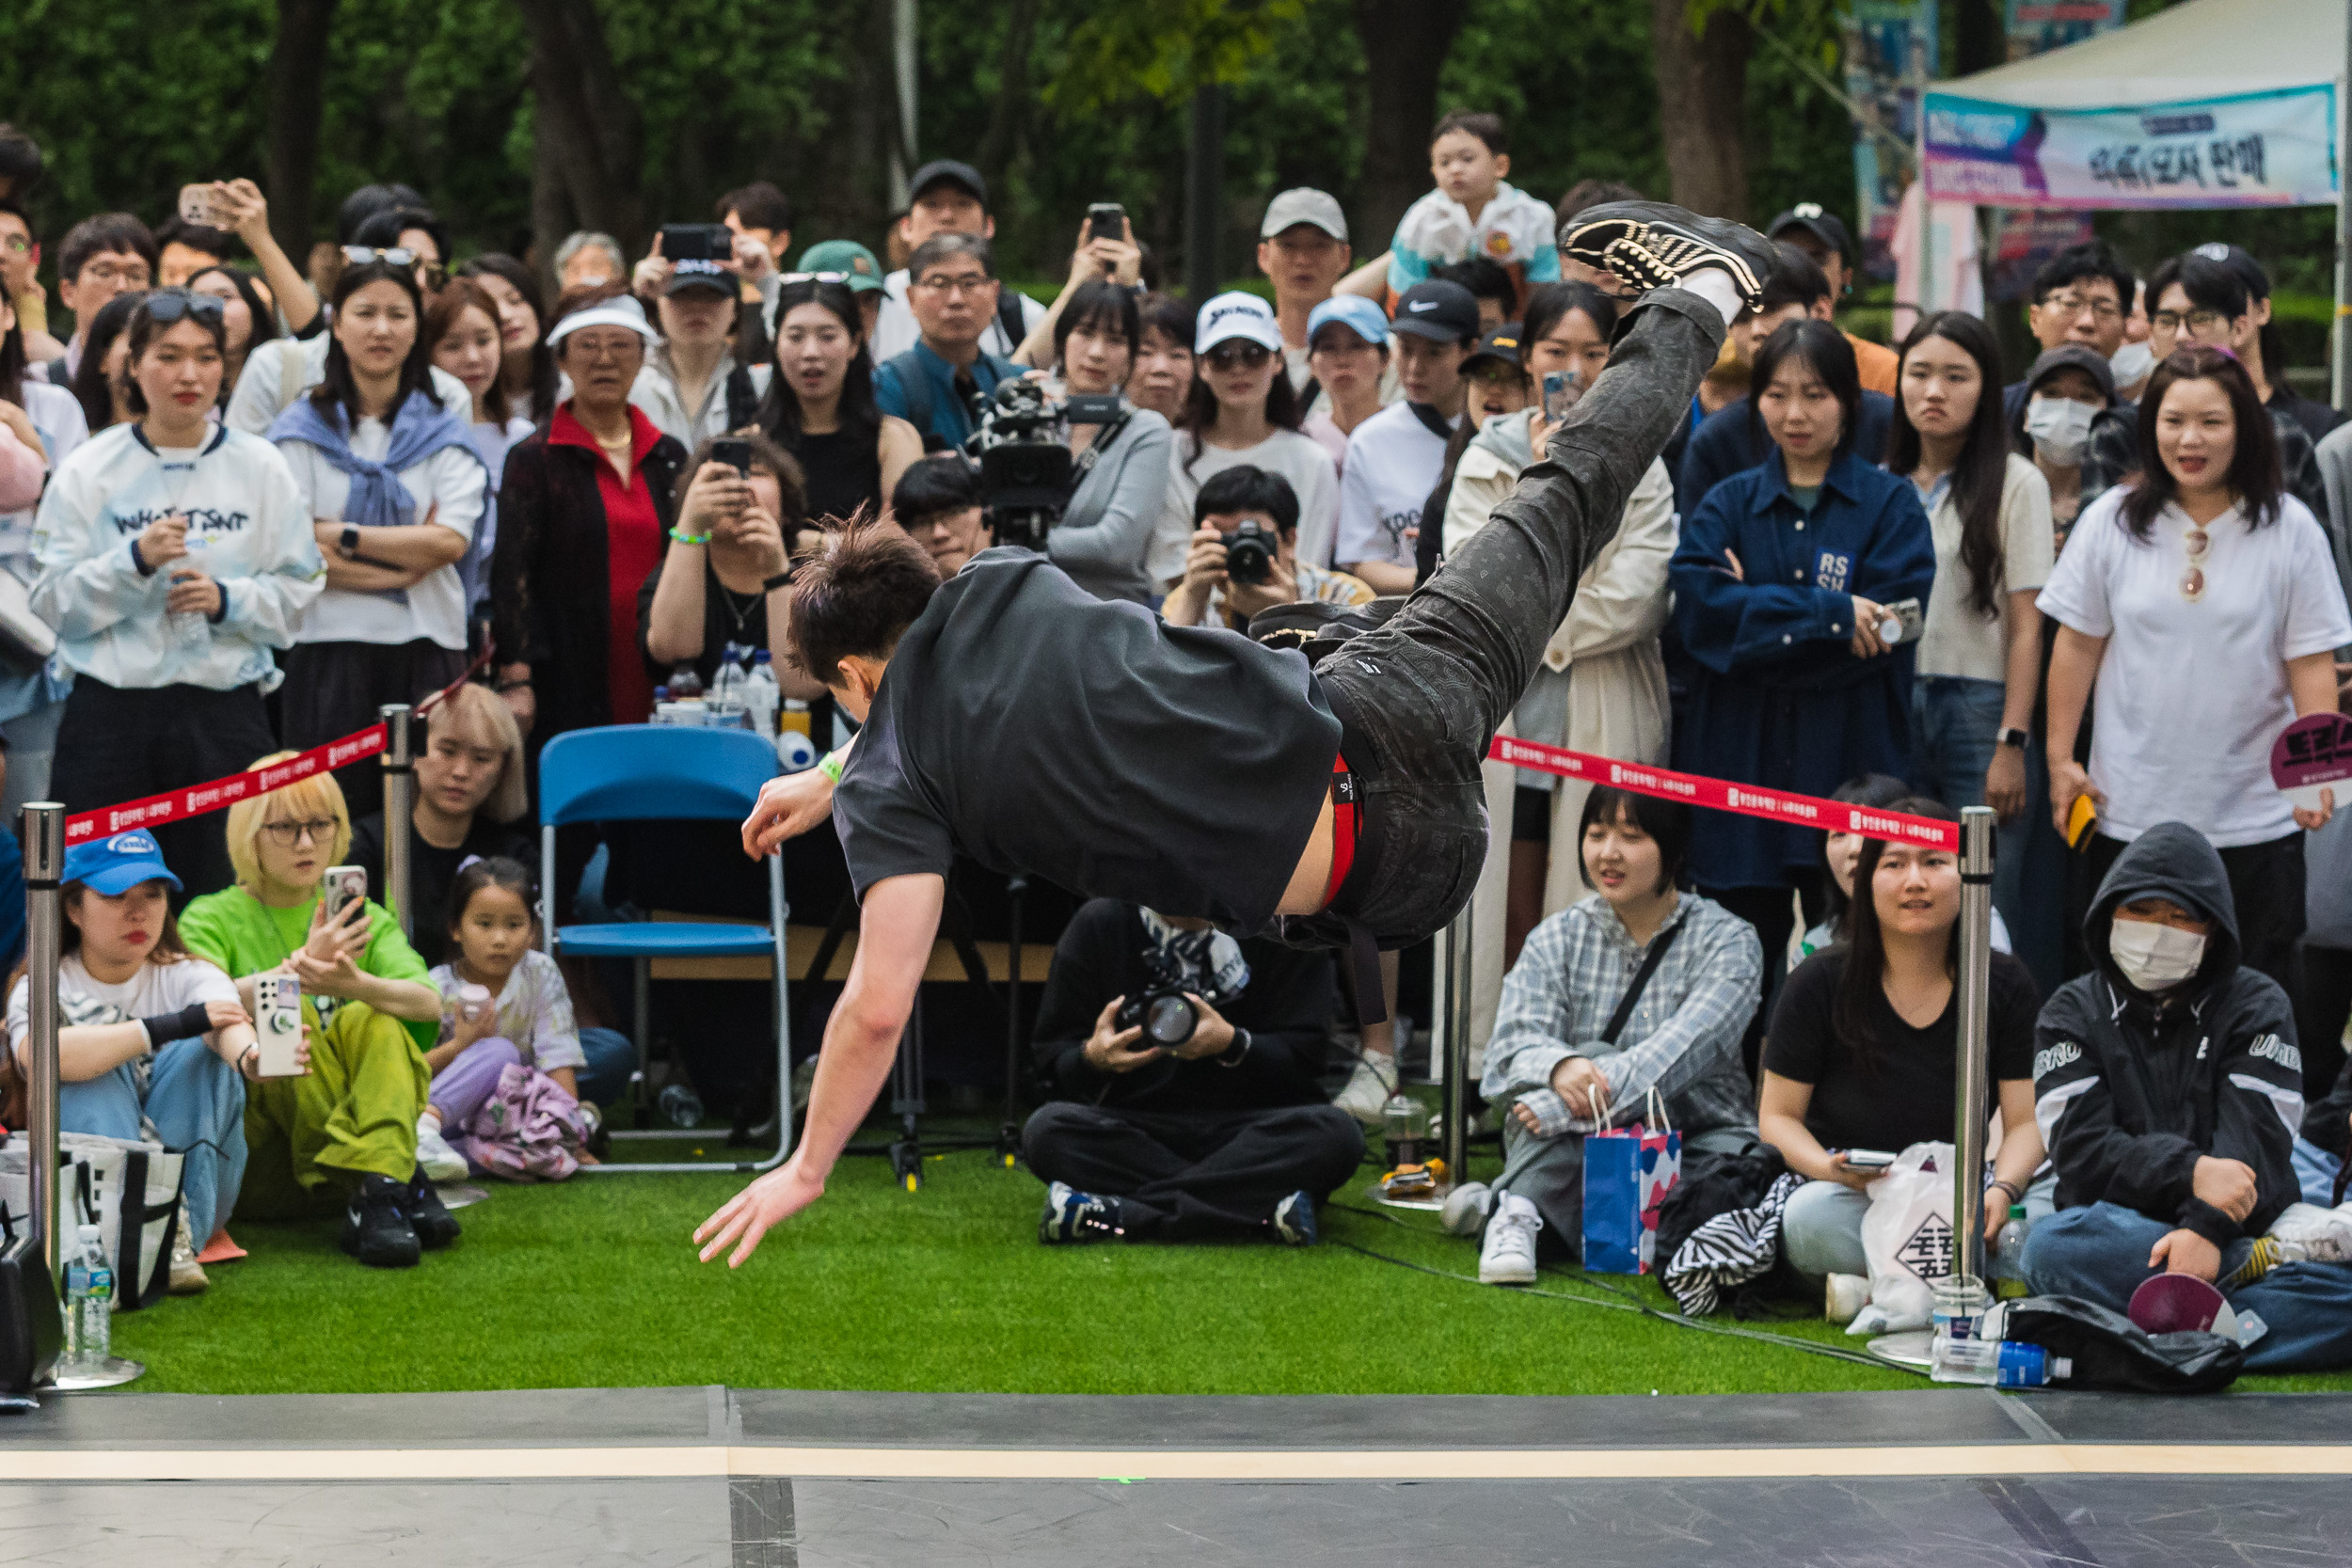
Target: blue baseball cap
(1353,311)
(119,863)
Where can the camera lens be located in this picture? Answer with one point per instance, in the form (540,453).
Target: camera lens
(1170,1022)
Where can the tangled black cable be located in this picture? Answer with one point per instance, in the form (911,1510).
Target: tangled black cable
(1625,1302)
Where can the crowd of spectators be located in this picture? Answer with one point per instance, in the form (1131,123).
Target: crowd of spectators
(243,504)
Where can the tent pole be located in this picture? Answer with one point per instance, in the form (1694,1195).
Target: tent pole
(2340,373)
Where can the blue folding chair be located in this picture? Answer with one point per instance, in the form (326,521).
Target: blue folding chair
(664,772)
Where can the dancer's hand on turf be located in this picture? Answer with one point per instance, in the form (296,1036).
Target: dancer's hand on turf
(749,1215)
(1111,1049)
(2186,1252)
(788,808)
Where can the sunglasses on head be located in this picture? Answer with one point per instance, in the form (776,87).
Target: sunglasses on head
(396,256)
(169,305)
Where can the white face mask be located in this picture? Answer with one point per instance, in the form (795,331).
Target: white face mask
(2132,362)
(2151,957)
(2060,428)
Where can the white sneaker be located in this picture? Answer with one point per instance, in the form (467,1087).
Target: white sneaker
(1368,1089)
(1466,1209)
(1507,1257)
(435,1157)
(188,1275)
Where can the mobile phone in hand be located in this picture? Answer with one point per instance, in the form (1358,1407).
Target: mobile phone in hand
(276,1025)
(346,885)
(1106,220)
(197,206)
(1560,394)
(698,242)
(734,452)
(1869,1159)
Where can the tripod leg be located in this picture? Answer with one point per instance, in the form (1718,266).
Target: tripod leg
(906,1103)
(1009,1134)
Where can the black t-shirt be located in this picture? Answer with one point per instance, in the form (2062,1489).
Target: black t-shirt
(1905,1095)
(722,606)
(1037,728)
(432,869)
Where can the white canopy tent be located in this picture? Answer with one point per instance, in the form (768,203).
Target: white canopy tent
(2207,103)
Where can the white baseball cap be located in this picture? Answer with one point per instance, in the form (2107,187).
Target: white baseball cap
(1236,315)
(620,311)
(1307,205)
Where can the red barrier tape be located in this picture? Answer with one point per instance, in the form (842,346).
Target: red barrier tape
(1775,805)
(178,805)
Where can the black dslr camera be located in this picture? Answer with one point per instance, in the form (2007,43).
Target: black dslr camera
(1164,1012)
(1026,472)
(1249,551)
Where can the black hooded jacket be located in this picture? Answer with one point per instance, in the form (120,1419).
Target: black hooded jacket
(2131,1089)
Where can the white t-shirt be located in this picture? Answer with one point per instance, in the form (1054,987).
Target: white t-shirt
(1296,458)
(1393,461)
(155,989)
(2191,696)
(283,368)
(452,481)
(1956,638)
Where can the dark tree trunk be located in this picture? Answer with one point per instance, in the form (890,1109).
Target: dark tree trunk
(296,85)
(1702,91)
(550,208)
(1013,93)
(594,125)
(1405,43)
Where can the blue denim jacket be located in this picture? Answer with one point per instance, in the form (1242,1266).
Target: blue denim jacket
(1779,699)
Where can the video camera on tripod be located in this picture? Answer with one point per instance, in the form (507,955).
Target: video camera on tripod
(1027,470)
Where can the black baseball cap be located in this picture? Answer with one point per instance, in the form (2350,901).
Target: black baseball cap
(1502,345)
(2236,257)
(2072,356)
(946,171)
(1823,225)
(698,274)
(1445,311)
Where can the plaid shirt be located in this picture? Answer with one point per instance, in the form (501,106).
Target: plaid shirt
(1683,1039)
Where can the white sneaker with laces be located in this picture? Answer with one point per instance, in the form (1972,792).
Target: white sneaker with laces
(1368,1089)
(435,1157)
(188,1275)
(1507,1257)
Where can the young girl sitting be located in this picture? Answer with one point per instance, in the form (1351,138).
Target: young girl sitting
(527,1023)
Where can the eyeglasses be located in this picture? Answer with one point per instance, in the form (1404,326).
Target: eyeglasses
(169,305)
(2074,305)
(2196,321)
(2199,544)
(1233,357)
(1499,375)
(966,283)
(135,274)
(319,830)
(397,256)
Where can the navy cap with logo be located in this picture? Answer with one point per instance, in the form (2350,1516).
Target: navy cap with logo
(1825,227)
(1436,309)
(1501,345)
(2238,261)
(947,171)
(698,274)
(119,863)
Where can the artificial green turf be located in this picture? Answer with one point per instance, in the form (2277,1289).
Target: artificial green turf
(593,1283)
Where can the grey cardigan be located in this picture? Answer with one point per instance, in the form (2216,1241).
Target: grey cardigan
(1105,532)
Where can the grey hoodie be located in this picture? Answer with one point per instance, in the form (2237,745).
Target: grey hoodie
(2132,1089)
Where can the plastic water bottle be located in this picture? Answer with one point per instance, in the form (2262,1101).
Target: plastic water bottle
(2009,1259)
(762,693)
(685,684)
(1998,1364)
(89,1289)
(681,1105)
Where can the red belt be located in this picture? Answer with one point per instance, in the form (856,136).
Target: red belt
(1346,822)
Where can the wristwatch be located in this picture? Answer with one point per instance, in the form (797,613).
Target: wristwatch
(349,543)
(2012,738)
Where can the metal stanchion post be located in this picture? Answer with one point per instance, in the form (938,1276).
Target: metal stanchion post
(1975,985)
(1457,1043)
(44,919)
(400,789)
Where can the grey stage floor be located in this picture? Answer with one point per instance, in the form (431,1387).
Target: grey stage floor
(709,1477)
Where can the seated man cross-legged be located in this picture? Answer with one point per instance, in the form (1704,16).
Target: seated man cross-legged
(1009,716)
(1575,1047)
(1223,1132)
(2169,1088)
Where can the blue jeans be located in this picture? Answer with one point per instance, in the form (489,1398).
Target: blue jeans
(611,1060)
(1956,724)
(197,1102)
(2315,1172)
(2100,1253)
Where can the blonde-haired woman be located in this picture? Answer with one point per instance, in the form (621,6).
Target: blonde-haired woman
(344,1136)
(472,789)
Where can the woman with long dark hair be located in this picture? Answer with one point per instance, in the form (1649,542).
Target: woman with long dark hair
(175,555)
(397,490)
(464,336)
(528,372)
(2202,600)
(102,381)
(1783,584)
(1242,409)
(1980,646)
(1864,1050)
(821,406)
(250,321)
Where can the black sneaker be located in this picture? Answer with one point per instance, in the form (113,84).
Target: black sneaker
(1294,1220)
(1074,1218)
(376,1225)
(1650,245)
(435,1226)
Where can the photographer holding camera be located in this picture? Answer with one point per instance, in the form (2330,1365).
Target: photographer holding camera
(932,386)
(1183,1067)
(1245,555)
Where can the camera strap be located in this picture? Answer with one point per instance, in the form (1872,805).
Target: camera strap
(1624,1014)
(1432,422)
(1083,463)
